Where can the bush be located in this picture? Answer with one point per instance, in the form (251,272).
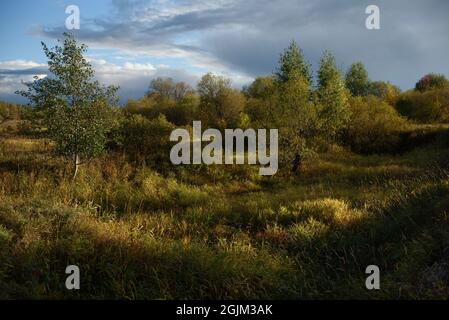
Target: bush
(9,111)
(374,126)
(180,112)
(428,106)
(145,140)
(185,111)
(431,81)
(146,106)
(385,91)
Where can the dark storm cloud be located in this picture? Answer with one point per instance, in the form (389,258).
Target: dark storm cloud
(411,42)
(247,36)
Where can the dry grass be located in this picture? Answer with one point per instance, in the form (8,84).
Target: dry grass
(195,234)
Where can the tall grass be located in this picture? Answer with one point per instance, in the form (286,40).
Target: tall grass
(206,232)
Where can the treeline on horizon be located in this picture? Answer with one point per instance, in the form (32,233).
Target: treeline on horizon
(340,108)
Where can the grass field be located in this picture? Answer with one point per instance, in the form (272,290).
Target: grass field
(224,232)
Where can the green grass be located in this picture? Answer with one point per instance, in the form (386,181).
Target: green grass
(224,232)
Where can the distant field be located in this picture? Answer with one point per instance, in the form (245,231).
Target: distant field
(224,231)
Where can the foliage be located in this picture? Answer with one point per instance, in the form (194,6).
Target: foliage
(297,119)
(185,111)
(179,112)
(285,106)
(261,87)
(145,140)
(292,62)
(332,96)
(356,80)
(374,126)
(146,106)
(76,109)
(427,106)
(261,99)
(166,88)
(9,111)
(220,105)
(385,91)
(432,81)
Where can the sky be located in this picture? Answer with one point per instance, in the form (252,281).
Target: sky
(132,42)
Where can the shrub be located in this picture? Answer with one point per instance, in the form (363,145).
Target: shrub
(384,91)
(429,106)
(9,111)
(145,140)
(374,126)
(431,81)
(185,110)
(180,112)
(146,106)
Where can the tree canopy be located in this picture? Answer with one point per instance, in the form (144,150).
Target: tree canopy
(292,61)
(357,80)
(76,109)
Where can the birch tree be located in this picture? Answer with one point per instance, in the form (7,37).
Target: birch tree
(77,111)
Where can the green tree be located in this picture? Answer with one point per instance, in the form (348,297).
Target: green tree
(291,62)
(161,88)
(332,96)
(287,107)
(261,87)
(296,116)
(427,107)
(356,80)
(432,81)
(220,105)
(181,90)
(374,127)
(76,109)
(166,88)
(385,91)
(147,140)
(185,110)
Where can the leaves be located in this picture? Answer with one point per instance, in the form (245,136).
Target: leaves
(332,96)
(76,108)
(291,62)
(357,80)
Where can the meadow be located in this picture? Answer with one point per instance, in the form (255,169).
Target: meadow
(224,232)
(363,180)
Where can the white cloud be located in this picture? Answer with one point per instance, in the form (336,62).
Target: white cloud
(139,67)
(115,73)
(14,72)
(132,78)
(19,64)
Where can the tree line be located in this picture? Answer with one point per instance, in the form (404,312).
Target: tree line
(82,116)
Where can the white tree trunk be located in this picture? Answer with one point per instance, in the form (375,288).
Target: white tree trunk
(76,164)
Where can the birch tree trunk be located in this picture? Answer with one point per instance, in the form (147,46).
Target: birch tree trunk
(76,164)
